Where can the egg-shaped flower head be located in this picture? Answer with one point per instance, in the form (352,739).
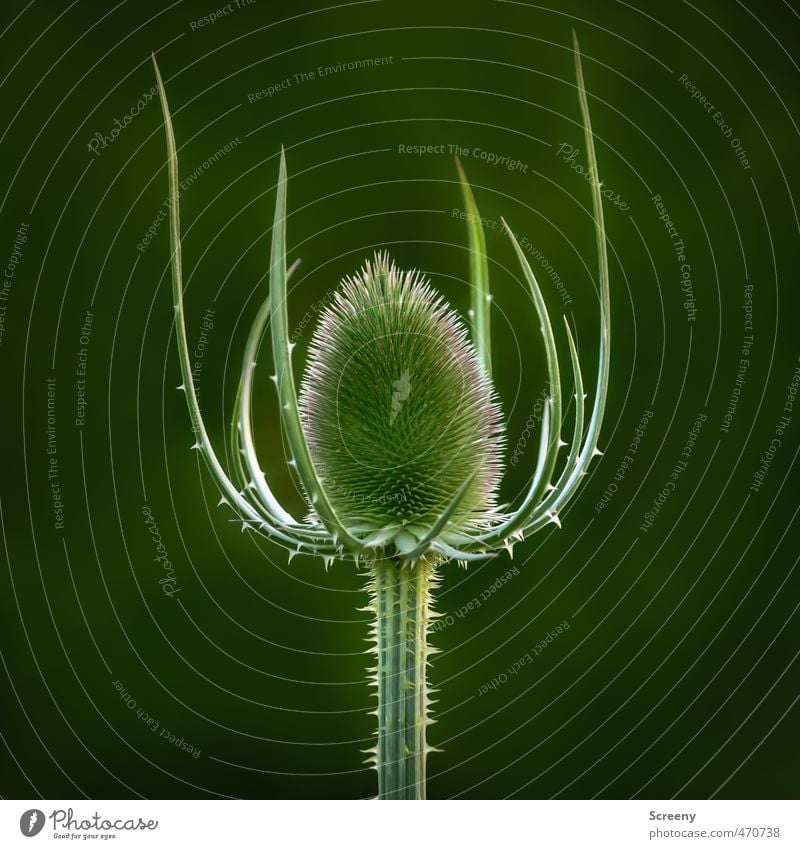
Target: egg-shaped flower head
(400,416)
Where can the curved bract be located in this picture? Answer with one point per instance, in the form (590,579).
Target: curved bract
(396,436)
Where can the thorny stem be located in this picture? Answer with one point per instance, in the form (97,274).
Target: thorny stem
(401,601)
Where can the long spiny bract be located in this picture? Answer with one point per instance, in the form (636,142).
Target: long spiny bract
(535,513)
(480,297)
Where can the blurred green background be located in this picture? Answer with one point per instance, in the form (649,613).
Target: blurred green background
(678,675)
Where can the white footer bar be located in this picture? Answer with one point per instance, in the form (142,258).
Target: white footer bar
(462,824)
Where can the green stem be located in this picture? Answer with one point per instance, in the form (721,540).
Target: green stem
(401,601)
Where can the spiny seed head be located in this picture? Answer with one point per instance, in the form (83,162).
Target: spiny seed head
(397,410)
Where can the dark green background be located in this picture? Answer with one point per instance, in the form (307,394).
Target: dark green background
(679,673)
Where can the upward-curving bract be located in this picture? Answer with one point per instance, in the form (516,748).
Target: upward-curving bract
(396,439)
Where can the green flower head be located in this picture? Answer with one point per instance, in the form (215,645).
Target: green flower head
(396,435)
(398,411)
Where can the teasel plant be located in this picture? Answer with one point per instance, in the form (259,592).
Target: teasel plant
(396,437)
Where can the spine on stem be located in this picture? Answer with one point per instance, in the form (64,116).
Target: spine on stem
(400,597)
